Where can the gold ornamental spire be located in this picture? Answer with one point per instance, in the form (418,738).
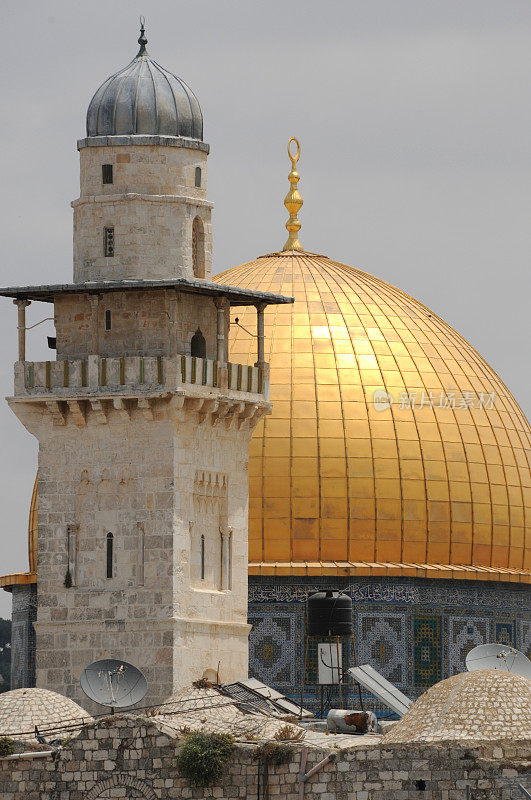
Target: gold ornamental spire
(293,201)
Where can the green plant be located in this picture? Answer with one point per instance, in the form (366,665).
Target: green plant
(202,757)
(273,753)
(288,733)
(7,746)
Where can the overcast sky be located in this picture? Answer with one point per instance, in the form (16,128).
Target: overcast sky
(415,124)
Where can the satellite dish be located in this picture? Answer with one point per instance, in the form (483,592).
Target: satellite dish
(113,683)
(498,656)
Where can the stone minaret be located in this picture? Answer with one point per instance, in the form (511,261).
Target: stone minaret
(143,426)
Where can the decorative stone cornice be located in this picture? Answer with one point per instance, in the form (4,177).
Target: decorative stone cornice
(148,198)
(143,141)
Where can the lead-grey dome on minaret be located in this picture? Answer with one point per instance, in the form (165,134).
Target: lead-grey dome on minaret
(144,98)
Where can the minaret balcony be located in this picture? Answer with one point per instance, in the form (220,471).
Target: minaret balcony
(221,390)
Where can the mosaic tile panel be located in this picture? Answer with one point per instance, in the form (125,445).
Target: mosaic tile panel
(464,633)
(275,646)
(505,633)
(427,650)
(393,629)
(382,644)
(525,637)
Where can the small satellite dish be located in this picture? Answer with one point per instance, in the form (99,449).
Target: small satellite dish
(498,656)
(113,683)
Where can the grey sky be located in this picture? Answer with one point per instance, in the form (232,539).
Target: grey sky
(414,119)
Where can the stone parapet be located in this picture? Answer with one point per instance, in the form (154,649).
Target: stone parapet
(126,756)
(136,375)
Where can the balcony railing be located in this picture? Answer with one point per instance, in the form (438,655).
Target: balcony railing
(135,374)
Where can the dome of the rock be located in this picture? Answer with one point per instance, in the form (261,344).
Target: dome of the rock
(487,704)
(393,447)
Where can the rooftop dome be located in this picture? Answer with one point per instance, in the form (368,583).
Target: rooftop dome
(393,447)
(144,98)
(486,704)
(22,709)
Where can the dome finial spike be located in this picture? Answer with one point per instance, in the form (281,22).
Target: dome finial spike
(142,41)
(293,201)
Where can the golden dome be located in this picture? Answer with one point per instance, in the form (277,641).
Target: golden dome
(341,482)
(8,581)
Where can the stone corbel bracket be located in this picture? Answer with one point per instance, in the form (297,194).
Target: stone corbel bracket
(234,413)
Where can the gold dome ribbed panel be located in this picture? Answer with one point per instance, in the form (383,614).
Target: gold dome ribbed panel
(333,479)
(21,578)
(33,526)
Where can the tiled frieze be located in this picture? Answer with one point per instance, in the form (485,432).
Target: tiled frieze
(415,632)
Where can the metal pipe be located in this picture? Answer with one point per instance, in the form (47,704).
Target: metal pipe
(319,766)
(302,771)
(524,791)
(29,755)
(304,776)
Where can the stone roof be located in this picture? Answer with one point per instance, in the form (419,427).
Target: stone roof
(487,704)
(22,709)
(208,709)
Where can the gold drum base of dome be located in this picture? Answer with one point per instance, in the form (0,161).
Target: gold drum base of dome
(393,447)
(352,568)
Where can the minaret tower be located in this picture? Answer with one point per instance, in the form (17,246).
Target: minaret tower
(143,425)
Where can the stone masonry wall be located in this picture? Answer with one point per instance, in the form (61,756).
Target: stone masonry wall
(136,479)
(127,757)
(151,205)
(149,323)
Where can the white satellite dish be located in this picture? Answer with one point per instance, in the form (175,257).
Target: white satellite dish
(498,656)
(113,683)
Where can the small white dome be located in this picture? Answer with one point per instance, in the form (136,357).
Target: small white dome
(483,705)
(22,709)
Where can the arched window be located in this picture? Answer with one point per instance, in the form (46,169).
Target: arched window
(202,558)
(198,248)
(198,345)
(110,545)
(198,177)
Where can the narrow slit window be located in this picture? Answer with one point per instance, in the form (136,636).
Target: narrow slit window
(202,558)
(108,242)
(198,177)
(108,320)
(110,554)
(107,173)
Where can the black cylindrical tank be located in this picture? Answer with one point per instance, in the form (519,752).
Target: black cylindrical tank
(329,613)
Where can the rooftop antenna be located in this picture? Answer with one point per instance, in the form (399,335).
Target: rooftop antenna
(500,657)
(113,683)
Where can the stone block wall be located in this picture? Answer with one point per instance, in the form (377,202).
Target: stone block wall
(128,757)
(149,323)
(151,205)
(136,478)
(155,169)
